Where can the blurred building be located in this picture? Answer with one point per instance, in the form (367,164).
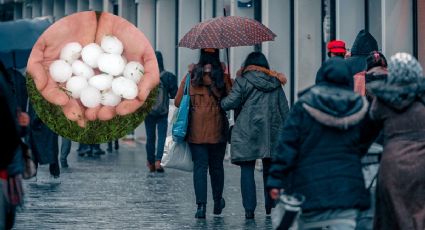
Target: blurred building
(302,26)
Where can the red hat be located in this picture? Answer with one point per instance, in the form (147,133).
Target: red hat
(336,46)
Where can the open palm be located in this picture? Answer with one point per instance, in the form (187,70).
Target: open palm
(85,28)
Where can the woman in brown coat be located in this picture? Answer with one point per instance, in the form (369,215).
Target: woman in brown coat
(207,129)
(399,105)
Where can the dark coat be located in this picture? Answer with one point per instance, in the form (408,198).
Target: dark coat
(322,143)
(43,141)
(8,124)
(264,108)
(207,122)
(401,180)
(362,46)
(169,82)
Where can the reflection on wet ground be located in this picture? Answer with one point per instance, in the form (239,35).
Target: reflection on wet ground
(115,191)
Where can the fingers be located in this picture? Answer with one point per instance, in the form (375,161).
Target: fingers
(73,110)
(106,113)
(128,106)
(91,113)
(35,67)
(54,94)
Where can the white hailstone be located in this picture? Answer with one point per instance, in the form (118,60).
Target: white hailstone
(91,53)
(134,71)
(110,99)
(71,52)
(111,44)
(75,85)
(112,64)
(124,87)
(101,81)
(60,71)
(90,97)
(80,68)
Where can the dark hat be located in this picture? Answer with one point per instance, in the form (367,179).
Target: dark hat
(336,46)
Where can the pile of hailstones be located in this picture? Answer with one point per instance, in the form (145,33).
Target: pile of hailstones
(117,80)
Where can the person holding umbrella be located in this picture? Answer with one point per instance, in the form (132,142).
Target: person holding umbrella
(207,127)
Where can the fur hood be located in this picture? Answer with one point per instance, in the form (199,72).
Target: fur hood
(335,107)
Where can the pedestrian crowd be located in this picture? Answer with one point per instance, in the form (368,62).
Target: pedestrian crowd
(313,148)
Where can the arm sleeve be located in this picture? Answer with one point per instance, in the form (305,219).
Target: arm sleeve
(172,85)
(180,92)
(287,150)
(235,98)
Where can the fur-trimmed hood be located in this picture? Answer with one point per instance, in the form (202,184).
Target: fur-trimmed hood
(335,107)
(263,79)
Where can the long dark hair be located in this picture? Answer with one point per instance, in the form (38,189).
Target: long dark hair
(256,58)
(375,59)
(212,57)
(160,60)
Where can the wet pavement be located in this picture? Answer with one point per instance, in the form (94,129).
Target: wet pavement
(115,191)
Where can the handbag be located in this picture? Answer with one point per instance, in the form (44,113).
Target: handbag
(287,212)
(178,157)
(179,130)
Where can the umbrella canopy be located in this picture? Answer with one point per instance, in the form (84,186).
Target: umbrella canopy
(225,32)
(17,39)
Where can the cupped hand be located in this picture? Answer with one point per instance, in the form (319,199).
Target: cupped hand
(136,48)
(86,28)
(79,28)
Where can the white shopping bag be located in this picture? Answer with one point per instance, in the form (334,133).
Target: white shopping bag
(178,156)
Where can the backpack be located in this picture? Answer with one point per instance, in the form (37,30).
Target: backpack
(162,102)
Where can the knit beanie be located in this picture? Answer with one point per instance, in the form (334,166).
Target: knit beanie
(404,69)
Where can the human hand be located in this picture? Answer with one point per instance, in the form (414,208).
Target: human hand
(79,28)
(85,28)
(23,119)
(136,48)
(274,193)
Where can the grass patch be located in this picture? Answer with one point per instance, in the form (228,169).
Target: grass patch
(95,131)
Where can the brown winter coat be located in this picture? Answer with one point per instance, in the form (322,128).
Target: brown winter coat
(206,120)
(401,181)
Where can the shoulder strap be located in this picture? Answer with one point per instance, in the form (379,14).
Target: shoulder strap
(187,84)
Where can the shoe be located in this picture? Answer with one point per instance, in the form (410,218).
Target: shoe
(64,164)
(268,211)
(54,180)
(249,215)
(81,153)
(219,206)
(151,167)
(158,167)
(201,211)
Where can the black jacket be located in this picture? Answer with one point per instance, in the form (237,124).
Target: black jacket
(8,123)
(364,44)
(322,143)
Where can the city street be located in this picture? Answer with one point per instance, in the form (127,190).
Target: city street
(116,191)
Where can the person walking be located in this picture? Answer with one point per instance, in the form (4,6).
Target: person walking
(399,105)
(319,152)
(9,154)
(208,125)
(254,135)
(376,71)
(157,119)
(336,48)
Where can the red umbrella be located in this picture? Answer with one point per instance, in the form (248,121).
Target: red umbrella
(225,32)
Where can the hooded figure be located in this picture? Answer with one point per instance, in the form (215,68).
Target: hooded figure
(320,148)
(400,107)
(362,46)
(259,95)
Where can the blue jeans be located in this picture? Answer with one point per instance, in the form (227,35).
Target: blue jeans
(208,157)
(152,123)
(248,188)
(65,149)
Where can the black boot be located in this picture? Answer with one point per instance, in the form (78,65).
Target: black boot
(201,211)
(219,206)
(249,215)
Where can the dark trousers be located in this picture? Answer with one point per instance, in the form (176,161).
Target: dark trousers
(208,157)
(65,149)
(248,189)
(152,123)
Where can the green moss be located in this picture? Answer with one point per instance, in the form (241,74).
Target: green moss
(95,131)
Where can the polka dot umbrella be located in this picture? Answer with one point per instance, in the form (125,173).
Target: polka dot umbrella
(225,32)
